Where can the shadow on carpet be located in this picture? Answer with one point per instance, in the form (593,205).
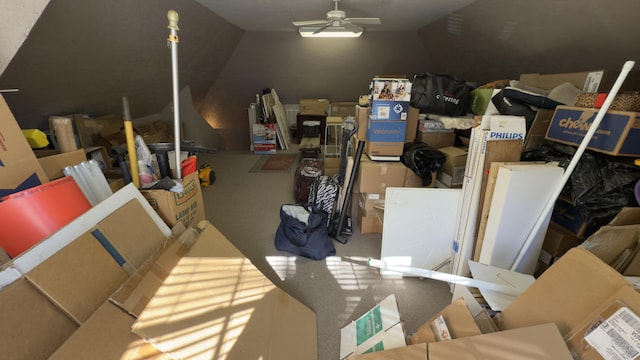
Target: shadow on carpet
(277,163)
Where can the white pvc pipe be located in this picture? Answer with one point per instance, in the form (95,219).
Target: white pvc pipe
(446,277)
(173,41)
(574,161)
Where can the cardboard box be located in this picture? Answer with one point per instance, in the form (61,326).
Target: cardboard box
(186,207)
(557,242)
(376,176)
(386,130)
(314,106)
(540,342)
(39,307)
(19,168)
(568,216)
(437,139)
(343,109)
(374,148)
(451,173)
(587,81)
(410,352)
(53,162)
(216,285)
(390,98)
(618,133)
(368,203)
(370,225)
(378,329)
(362,117)
(573,292)
(458,319)
(412,124)
(264,138)
(538,130)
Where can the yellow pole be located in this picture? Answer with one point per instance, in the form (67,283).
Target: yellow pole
(131,145)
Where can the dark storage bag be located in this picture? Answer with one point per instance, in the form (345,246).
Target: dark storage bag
(440,94)
(303,231)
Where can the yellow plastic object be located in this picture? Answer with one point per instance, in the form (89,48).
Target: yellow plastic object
(36,138)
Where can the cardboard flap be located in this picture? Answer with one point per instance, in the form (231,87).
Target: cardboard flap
(459,321)
(577,275)
(540,342)
(213,303)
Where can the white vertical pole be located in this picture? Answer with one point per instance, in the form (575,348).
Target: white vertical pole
(574,161)
(173,42)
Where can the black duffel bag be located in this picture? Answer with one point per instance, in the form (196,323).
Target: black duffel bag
(440,94)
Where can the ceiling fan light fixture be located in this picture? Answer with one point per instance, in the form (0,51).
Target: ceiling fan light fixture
(334,32)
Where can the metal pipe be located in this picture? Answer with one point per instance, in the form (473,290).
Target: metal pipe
(172,15)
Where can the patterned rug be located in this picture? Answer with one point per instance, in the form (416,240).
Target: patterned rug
(281,163)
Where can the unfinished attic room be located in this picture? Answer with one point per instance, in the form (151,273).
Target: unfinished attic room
(319,179)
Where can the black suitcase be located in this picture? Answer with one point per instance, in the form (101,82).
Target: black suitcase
(306,174)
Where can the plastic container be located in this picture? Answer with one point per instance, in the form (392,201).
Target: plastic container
(30,216)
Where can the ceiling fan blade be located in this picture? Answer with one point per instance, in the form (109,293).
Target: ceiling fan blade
(322,28)
(310,22)
(351,27)
(364,21)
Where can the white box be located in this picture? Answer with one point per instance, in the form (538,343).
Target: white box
(378,329)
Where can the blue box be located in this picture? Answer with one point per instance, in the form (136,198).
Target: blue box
(390,98)
(386,130)
(618,133)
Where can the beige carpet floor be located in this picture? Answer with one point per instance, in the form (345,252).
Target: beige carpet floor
(245,207)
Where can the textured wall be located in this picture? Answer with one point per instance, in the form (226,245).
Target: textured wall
(83,56)
(296,67)
(496,39)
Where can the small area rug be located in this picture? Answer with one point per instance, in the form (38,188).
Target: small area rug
(279,163)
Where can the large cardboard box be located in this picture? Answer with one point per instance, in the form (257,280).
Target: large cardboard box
(376,176)
(19,168)
(386,130)
(53,162)
(451,173)
(437,139)
(343,109)
(186,207)
(390,98)
(540,342)
(575,293)
(362,117)
(618,133)
(587,81)
(538,130)
(314,106)
(376,148)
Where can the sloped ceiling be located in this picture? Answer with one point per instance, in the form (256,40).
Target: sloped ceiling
(277,15)
(83,57)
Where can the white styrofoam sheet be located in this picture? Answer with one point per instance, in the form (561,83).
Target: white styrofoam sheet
(419,227)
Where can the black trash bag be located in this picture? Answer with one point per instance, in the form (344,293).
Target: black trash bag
(599,186)
(422,159)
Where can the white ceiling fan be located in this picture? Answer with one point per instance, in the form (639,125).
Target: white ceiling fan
(337,20)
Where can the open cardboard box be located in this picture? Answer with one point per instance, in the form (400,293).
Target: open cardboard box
(99,274)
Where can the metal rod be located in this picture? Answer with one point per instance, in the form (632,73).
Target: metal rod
(172,15)
(574,161)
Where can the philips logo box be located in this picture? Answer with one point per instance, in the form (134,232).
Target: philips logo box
(390,98)
(618,133)
(386,130)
